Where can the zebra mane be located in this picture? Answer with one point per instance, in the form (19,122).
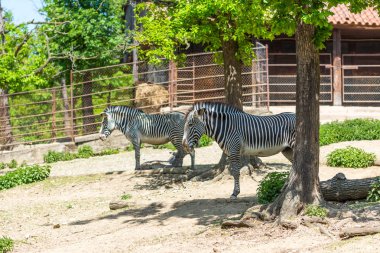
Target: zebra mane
(215,107)
(121,109)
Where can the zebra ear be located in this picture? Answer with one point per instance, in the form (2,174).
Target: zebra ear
(200,112)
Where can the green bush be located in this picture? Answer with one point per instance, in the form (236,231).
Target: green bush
(24,175)
(316,211)
(2,166)
(85,151)
(374,192)
(270,187)
(350,157)
(168,145)
(349,130)
(54,156)
(205,141)
(6,244)
(12,164)
(108,151)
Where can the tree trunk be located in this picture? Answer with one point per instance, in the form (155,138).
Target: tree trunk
(232,74)
(88,109)
(303,185)
(341,189)
(66,106)
(6,137)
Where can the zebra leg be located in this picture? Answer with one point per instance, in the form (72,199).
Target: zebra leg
(288,153)
(178,159)
(136,146)
(235,172)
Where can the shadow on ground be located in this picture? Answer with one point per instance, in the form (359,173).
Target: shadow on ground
(205,211)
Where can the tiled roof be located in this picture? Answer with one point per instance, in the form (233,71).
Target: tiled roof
(342,16)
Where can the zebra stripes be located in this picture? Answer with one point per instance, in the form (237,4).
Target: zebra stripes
(140,127)
(239,133)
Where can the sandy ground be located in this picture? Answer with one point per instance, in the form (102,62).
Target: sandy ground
(162,216)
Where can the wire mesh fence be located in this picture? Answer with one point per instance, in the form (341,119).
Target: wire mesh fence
(69,111)
(361,79)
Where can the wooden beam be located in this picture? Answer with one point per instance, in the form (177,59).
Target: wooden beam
(337,68)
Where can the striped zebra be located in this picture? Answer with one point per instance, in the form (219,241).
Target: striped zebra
(239,133)
(140,127)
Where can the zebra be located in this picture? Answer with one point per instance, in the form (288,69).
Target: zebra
(239,133)
(140,127)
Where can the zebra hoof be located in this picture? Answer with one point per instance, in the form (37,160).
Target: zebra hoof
(233,197)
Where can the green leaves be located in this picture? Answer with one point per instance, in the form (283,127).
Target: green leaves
(350,157)
(270,187)
(374,192)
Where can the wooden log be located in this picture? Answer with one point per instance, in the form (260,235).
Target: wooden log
(118,204)
(352,232)
(339,188)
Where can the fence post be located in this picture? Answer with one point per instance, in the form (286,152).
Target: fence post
(253,83)
(72,106)
(172,83)
(53,111)
(267,70)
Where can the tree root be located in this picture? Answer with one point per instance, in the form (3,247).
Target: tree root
(352,232)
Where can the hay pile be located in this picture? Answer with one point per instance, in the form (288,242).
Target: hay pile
(151,97)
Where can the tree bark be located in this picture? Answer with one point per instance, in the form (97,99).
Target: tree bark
(303,184)
(66,106)
(88,109)
(341,189)
(232,74)
(6,137)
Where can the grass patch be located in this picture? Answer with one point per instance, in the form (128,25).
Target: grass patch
(350,157)
(24,175)
(84,151)
(6,244)
(205,141)
(316,211)
(168,145)
(349,130)
(270,187)
(126,196)
(56,182)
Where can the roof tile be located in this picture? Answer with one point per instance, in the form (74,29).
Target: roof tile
(342,16)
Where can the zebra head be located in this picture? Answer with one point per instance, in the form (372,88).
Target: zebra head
(108,125)
(193,130)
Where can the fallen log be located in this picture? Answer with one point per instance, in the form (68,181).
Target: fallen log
(339,188)
(352,232)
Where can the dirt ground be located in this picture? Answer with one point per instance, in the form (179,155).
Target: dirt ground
(69,212)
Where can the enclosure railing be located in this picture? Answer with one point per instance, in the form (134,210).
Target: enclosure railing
(66,112)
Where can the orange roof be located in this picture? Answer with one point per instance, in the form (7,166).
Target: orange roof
(342,16)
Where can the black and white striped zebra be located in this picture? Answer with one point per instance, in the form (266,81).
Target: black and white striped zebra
(140,127)
(239,133)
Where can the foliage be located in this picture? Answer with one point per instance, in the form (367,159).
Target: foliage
(374,192)
(270,187)
(205,141)
(109,151)
(85,151)
(349,130)
(316,211)
(12,164)
(129,148)
(168,145)
(350,157)
(6,244)
(24,175)
(2,165)
(126,196)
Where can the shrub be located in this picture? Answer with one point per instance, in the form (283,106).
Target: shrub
(374,192)
(316,211)
(12,164)
(24,175)
(205,141)
(108,151)
(126,196)
(350,157)
(349,130)
(2,166)
(270,187)
(85,151)
(54,156)
(6,244)
(168,145)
